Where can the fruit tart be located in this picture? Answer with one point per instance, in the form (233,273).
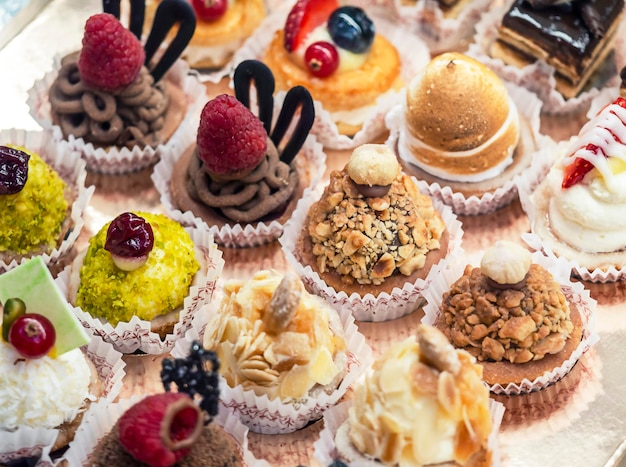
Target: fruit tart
(43,197)
(518,314)
(51,369)
(577,212)
(118,101)
(423,403)
(184,426)
(286,354)
(222,26)
(466,134)
(245,174)
(353,64)
(371,240)
(565,52)
(141,279)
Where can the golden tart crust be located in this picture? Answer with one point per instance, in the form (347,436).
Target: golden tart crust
(347,90)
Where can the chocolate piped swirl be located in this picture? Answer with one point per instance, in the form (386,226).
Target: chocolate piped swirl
(259,195)
(131,117)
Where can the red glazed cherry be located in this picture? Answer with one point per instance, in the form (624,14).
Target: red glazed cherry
(210,10)
(321,59)
(32,335)
(129,235)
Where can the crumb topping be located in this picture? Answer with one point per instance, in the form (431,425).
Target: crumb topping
(507,324)
(366,240)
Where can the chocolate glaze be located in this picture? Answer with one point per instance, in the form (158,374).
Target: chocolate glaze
(569,31)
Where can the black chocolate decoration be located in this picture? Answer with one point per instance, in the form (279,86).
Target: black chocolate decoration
(297,96)
(137,14)
(168,13)
(253,70)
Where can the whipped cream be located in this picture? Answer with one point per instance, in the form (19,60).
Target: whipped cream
(591,214)
(409,144)
(401,417)
(42,392)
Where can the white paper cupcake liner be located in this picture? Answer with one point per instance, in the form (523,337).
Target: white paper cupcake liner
(114,160)
(440,32)
(266,416)
(238,235)
(575,293)
(539,77)
(102,416)
(529,108)
(384,306)
(35,442)
(68,164)
(326,451)
(550,245)
(414,55)
(135,335)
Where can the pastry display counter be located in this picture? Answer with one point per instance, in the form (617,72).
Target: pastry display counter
(578,421)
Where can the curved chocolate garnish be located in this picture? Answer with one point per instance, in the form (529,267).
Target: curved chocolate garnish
(196,374)
(297,97)
(137,14)
(253,70)
(169,13)
(496,285)
(373,191)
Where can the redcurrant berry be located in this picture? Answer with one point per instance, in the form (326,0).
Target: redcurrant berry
(32,335)
(321,58)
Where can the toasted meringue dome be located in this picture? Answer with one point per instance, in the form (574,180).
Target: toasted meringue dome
(461,123)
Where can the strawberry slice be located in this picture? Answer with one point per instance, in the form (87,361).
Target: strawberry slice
(305,16)
(576,171)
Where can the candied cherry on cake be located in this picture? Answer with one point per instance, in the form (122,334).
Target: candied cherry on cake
(129,240)
(303,18)
(210,10)
(32,335)
(351,29)
(13,170)
(321,59)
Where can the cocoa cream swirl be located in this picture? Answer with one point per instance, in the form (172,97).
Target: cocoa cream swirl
(262,193)
(132,117)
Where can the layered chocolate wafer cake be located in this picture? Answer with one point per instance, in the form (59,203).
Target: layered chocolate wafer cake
(573,37)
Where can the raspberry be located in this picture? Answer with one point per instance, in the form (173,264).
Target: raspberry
(160,429)
(112,56)
(231,139)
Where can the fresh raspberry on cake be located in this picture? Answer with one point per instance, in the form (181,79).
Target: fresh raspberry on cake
(160,429)
(231,140)
(111,56)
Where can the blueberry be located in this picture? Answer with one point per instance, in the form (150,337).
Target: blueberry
(351,29)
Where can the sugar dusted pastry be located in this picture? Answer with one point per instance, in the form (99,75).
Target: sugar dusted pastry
(371,230)
(276,339)
(579,211)
(423,403)
(512,315)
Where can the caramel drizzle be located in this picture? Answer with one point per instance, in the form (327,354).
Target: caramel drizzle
(265,190)
(132,117)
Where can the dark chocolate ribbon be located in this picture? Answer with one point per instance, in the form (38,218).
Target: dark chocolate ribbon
(297,97)
(137,14)
(168,14)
